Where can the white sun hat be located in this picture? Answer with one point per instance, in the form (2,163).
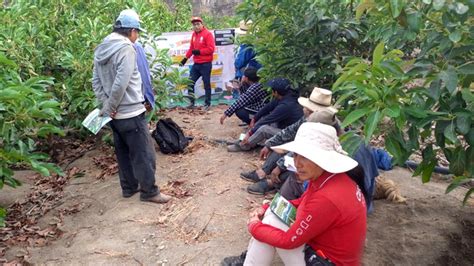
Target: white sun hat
(319,99)
(319,143)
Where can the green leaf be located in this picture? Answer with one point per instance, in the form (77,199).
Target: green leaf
(434,90)
(350,142)
(450,134)
(439,132)
(438,4)
(378,53)
(413,135)
(47,129)
(38,167)
(414,21)
(468,194)
(427,171)
(7,62)
(450,78)
(467,68)
(460,8)
(310,75)
(458,180)
(48,104)
(362,7)
(372,121)
(12,182)
(415,112)
(463,122)
(395,149)
(23,147)
(347,75)
(428,153)
(470,160)
(457,161)
(372,93)
(396,6)
(3,214)
(392,111)
(427,2)
(355,115)
(393,67)
(467,95)
(455,36)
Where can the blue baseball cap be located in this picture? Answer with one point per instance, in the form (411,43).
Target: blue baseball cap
(280,85)
(128,18)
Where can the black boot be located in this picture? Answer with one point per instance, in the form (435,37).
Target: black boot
(234,260)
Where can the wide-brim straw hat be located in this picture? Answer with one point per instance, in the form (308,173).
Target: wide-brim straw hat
(319,99)
(243,27)
(319,143)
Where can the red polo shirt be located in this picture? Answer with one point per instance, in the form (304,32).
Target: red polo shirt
(204,42)
(331,217)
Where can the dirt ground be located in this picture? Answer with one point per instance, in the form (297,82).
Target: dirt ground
(206,221)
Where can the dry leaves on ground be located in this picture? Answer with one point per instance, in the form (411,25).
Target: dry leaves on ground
(23,216)
(107,162)
(176,189)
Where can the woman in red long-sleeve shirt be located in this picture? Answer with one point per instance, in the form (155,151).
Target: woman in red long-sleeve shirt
(331,214)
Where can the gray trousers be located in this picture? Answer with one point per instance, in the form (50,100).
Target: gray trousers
(263,133)
(135,155)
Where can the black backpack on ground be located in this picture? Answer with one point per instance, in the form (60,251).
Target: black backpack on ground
(169,136)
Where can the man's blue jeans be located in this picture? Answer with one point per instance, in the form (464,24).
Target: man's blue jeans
(135,155)
(201,70)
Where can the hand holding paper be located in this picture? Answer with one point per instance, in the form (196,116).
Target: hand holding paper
(94,122)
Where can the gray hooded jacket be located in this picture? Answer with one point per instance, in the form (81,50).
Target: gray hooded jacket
(116,80)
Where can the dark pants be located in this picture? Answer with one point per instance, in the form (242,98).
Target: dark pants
(201,70)
(271,162)
(244,114)
(291,188)
(135,155)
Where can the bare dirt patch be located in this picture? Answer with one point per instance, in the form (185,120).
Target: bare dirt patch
(205,221)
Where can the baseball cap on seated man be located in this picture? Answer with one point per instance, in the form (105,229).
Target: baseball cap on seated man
(128,19)
(280,85)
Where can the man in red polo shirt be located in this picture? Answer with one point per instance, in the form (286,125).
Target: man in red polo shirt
(202,48)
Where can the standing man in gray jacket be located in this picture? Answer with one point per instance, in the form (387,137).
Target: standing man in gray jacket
(118,88)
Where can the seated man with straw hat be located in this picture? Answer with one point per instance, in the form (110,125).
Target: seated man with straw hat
(320,99)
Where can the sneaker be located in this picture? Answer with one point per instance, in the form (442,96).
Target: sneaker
(250,176)
(160,199)
(234,260)
(207,107)
(234,148)
(260,188)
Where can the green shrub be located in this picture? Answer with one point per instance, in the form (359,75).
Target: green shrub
(305,41)
(28,112)
(430,98)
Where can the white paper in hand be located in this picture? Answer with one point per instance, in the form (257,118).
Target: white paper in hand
(94,122)
(290,163)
